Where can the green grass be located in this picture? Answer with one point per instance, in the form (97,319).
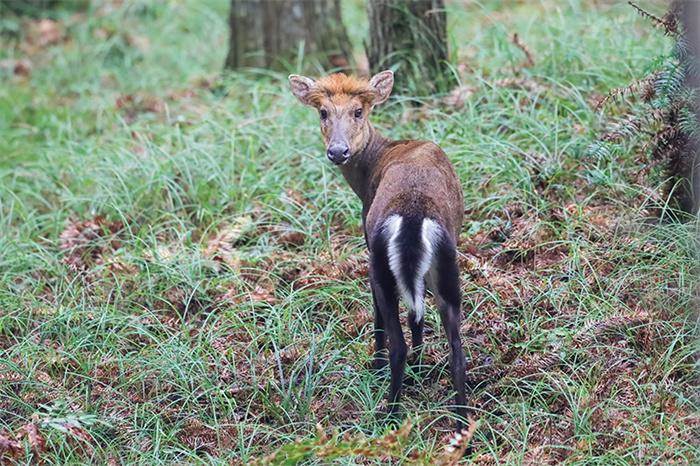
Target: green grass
(580,343)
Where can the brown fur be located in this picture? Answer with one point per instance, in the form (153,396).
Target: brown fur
(413,179)
(340,89)
(390,177)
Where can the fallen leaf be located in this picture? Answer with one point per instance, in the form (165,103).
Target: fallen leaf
(9,447)
(45,32)
(457,445)
(292,238)
(134,104)
(34,437)
(221,247)
(261,294)
(458,96)
(22,67)
(86,242)
(529,85)
(141,43)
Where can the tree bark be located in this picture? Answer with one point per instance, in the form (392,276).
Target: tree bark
(270,33)
(684,163)
(690,18)
(411,38)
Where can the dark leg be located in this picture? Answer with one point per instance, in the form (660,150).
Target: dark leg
(450,320)
(387,302)
(416,332)
(379,335)
(416,358)
(448,299)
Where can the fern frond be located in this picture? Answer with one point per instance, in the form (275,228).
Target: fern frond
(688,122)
(633,125)
(668,23)
(669,81)
(599,150)
(661,138)
(643,87)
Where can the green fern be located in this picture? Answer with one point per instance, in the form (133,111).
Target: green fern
(670,126)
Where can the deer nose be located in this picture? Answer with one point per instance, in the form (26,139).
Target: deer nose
(338,153)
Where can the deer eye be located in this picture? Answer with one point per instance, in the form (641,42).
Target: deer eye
(358,113)
(324,114)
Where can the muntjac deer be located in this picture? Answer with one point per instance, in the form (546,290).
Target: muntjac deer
(412,210)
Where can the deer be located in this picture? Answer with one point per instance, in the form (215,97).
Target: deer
(412,209)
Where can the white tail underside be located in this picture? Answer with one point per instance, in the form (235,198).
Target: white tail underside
(430,233)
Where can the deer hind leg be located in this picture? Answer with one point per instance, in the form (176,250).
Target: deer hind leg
(416,325)
(415,359)
(387,308)
(380,359)
(444,283)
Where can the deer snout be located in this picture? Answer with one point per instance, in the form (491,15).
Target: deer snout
(338,153)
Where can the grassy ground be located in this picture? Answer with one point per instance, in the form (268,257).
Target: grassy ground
(182,274)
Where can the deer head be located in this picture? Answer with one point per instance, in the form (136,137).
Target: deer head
(344,104)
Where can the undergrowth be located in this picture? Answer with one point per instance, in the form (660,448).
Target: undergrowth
(183,275)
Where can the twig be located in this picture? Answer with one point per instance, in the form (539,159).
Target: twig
(529,60)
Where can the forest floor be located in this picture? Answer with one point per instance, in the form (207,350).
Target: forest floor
(183,275)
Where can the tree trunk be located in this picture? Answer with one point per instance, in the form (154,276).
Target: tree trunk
(690,17)
(270,34)
(411,38)
(684,163)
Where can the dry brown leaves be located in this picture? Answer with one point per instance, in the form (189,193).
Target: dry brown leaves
(12,446)
(199,437)
(325,268)
(262,294)
(21,68)
(457,445)
(258,290)
(42,33)
(524,238)
(36,440)
(132,105)
(88,242)
(525,84)
(548,442)
(598,221)
(605,330)
(357,320)
(221,246)
(77,435)
(458,97)
(9,447)
(289,237)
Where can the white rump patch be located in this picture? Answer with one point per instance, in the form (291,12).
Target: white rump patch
(430,235)
(393,226)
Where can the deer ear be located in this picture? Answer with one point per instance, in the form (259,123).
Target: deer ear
(381,84)
(301,87)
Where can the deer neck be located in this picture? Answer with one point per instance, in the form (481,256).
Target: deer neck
(359,171)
